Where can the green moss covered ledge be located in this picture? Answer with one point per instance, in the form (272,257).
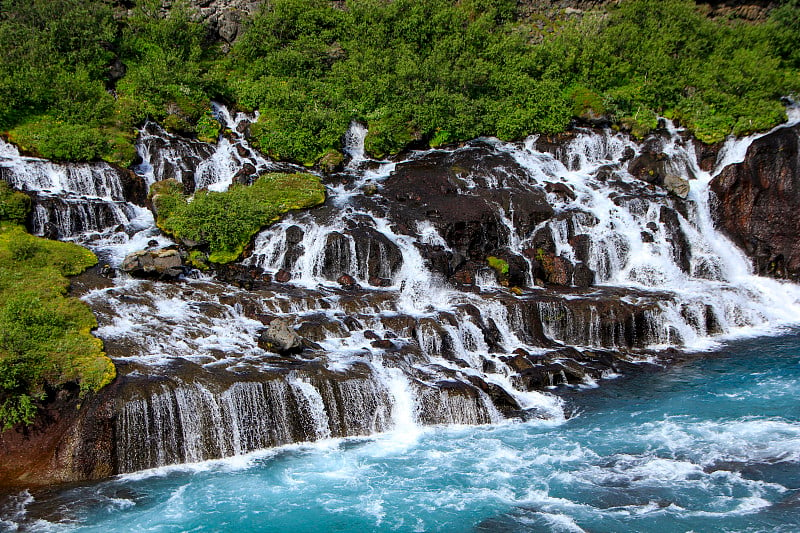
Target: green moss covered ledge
(45,336)
(224,223)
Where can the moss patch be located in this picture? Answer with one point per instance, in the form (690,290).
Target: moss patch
(45,337)
(227,221)
(499,265)
(14,205)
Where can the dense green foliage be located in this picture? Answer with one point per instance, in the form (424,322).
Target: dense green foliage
(436,71)
(59,70)
(14,206)
(45,337)
(445,71)
(226,222)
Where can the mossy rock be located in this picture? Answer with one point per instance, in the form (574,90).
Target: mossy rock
(45,337)
(227,221)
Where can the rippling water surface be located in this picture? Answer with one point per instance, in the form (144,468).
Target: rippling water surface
(708,445)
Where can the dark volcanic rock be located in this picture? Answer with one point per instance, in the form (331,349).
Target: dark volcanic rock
(377,257)
(759,203)
(651,164)
(679,242)
(460,194)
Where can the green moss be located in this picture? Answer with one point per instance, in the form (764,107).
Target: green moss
(45,337)
(198,260)
(499,265)
(227,221)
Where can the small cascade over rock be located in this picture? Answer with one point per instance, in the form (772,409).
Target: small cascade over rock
(71,200)
(169,421)
(446,287)
(199,165)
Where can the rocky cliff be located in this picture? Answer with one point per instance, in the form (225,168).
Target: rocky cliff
(758,203)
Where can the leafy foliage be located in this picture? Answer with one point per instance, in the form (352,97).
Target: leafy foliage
(444,71)
(77,77)
(227,221)
(45,337)
(14,205)
(61,95)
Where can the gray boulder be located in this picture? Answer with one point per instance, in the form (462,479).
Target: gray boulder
(281,338)
(158,263)
(676,185)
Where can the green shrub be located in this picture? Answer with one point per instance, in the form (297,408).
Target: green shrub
(14,205)
(227,221)
(440,71)
(208,128)
(60,141)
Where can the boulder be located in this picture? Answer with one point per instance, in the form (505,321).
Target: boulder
(583,276)
(158,263)
(758,203)
(281,338)
(677,185)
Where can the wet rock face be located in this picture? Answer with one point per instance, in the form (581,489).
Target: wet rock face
(164,264)
(174,157)
(758,203)
(464,195)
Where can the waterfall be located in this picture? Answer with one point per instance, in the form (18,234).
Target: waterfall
(429,332)
(200,165)
(354,144)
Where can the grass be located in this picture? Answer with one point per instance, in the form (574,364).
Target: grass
(45,336)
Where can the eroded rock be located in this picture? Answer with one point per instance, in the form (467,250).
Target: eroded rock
(159,263)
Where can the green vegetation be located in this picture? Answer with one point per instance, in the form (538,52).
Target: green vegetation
(499,265)
(444,71)
(225,222)
(14,206)
(45,337)
(60,68)
(77,76)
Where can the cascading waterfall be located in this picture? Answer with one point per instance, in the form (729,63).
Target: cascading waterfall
(406,346)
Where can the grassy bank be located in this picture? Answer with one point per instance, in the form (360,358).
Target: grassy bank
(45,337)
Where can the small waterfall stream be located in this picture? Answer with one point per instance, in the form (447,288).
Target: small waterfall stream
(430,334)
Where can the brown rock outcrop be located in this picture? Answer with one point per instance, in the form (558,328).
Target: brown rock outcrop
(759,203)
